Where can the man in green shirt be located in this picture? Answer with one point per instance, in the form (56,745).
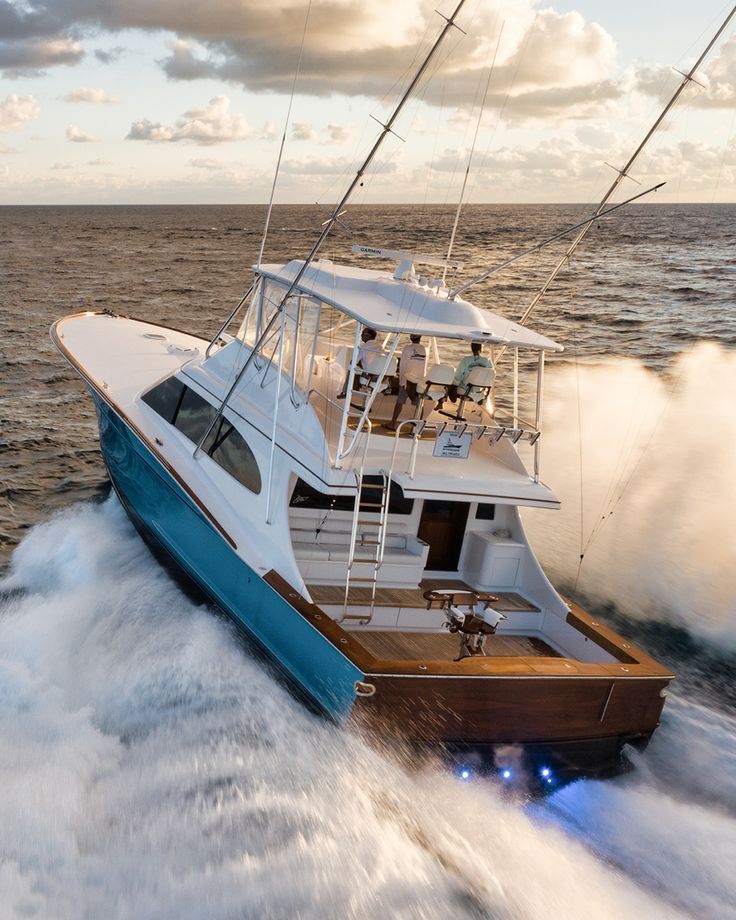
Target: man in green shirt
(476,359)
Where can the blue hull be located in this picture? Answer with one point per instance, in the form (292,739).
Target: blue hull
(158,505)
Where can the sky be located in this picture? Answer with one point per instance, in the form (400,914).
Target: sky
(164,101)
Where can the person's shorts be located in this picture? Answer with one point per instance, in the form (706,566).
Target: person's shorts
(409,391)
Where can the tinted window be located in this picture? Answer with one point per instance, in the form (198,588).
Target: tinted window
(194,416)
(305,496)
(485,512)
(228,449)
(165,398)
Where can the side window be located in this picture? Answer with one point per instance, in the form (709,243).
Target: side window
(485,512)
(228,449)
(194,415)
(165,398)
(191,414)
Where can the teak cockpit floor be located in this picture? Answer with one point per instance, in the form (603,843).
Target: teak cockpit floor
(412,597)
(436,646)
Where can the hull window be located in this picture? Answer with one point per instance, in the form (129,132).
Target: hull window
(305,496)
(485,512)
(191,414)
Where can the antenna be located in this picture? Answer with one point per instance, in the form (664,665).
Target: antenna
(470,157)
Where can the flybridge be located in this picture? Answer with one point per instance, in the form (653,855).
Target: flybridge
(405,269)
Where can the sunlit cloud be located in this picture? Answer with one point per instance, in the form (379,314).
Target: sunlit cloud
(301,131)
(210,125)
(89,94)
(79,137)
(35,55)
(15,111)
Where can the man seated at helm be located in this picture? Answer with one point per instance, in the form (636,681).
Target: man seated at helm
(412,368)
(368,348)
(475,359)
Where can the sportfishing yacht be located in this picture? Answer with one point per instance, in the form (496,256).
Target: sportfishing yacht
(341,470)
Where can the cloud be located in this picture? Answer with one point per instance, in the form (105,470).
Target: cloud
(255,43)
(35,54)
(301,131)
(76,136)
(61,166)
(718,79)
(88,94)
(15,111)
(99,162)
(332,166)
(208,126)
(339,134)
(109,55)
(7,151)
(206,163)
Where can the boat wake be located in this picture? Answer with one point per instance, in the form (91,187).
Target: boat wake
(152,766)
(659,492)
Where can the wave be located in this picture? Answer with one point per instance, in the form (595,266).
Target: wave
(154,767)
(658,491)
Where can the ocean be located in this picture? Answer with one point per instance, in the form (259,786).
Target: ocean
(152,766)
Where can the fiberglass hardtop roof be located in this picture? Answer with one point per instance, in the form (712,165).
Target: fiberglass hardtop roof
(377,299)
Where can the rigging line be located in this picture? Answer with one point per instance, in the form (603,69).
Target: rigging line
(583,223)
(686,80)
(472,151)
(283,136)
(580,465)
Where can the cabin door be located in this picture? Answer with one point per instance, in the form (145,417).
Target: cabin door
(442,525)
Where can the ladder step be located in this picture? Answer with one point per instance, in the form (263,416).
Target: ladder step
(367,543)
(371,504)
(368,581)
(368,521)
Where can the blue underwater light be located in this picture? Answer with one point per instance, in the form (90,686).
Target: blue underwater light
(506,774)
(464,773)
(545,772)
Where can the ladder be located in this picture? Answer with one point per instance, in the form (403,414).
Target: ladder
(363,567)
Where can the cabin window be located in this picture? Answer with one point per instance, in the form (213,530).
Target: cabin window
(191,414)
(165,398)
(485,512)
(304,496)
(194,416)
(227,448)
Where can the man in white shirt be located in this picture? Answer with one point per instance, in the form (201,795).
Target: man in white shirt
(412,368)
(368,348)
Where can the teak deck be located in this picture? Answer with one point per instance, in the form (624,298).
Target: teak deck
(508,601)
(445,647)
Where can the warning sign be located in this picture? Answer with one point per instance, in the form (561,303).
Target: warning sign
(449,444)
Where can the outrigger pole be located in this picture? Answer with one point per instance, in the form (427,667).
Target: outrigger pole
(623,173)
(527,252)
(386,129)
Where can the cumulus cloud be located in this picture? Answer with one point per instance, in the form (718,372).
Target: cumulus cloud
(210,125)
(34,55)
(78,137)
(716,87)
(88,94)
(99,162)
(339,134)
(109,55)
(301,131)
(255,43)
(15,111)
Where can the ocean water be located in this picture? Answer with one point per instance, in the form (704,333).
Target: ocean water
(151,766)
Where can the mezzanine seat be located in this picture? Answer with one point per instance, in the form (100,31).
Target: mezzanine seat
(435,387)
